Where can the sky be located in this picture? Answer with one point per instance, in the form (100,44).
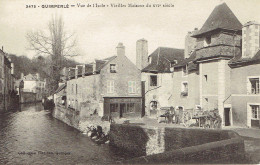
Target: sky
(99,30)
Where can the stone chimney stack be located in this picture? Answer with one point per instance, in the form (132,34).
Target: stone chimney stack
(141,53)
(250,39)
(120,50)
(190,43)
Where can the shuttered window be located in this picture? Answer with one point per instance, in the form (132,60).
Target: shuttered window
(131,86)
(110,86)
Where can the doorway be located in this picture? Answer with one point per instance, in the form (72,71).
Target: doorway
(227,116)
(122,109)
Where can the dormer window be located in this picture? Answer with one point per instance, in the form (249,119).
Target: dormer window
(112,68)
(173,63)
(150,60)
(207,41)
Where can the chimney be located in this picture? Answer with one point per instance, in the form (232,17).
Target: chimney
(22,75)
(250,39)
(190,43)
(141,53)
(120,49)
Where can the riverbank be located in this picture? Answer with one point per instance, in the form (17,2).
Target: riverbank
(74,118)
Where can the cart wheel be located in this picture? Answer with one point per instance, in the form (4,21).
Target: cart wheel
(206,126)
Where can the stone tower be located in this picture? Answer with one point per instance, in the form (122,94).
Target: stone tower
(250,39)
(141,53)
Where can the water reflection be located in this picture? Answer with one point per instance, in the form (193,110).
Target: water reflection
(32,136)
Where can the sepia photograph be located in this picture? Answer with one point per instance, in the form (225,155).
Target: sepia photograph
(129,82)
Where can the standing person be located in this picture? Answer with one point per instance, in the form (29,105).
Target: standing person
(177,112)
(170,120)
(181,115)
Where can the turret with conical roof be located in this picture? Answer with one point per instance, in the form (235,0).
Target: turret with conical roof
(221,18)
(220,35)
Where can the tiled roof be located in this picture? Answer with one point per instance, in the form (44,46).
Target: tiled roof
(220,18)
(161,59)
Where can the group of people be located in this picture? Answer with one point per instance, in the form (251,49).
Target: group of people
(172,115)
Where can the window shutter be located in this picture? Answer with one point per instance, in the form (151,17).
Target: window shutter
(248,85)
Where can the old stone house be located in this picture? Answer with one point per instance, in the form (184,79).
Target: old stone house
(219,70)
(222,69)
(158,77)
(218,41)
(7,81)
(107,87)
(245,77)
(34,86)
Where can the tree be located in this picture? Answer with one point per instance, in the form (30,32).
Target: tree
(57,44)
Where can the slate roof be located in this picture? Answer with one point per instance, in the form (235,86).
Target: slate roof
(101,63)
(162,58)
(220,18)
(238,60)
(188,61)
(63,86)
(30,77)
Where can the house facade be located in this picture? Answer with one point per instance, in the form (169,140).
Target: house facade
(7,81)
(245,76)
(158,78)
(219,71)
(108,87)
(33,84)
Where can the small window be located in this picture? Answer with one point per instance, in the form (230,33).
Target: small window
(253,87)
(150,60)
(110,87)
(174,63)
(131,87)
(255,111)
(113,107)
(207,41)
(206,77)
(112,68)
(184,89)
(153,80)
(130,107)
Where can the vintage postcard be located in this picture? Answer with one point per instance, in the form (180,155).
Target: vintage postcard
(129,82)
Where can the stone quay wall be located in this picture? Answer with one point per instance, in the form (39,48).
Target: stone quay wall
(80,122)
(176,145)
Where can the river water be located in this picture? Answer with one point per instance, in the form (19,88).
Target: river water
(32,136)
